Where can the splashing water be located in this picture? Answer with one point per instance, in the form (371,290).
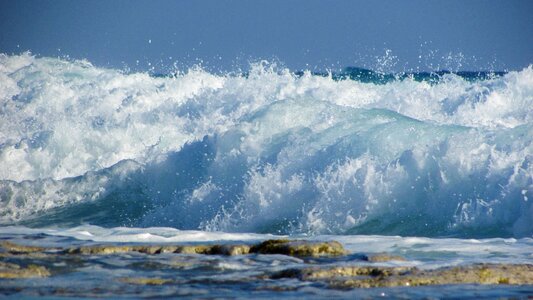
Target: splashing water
(269,151)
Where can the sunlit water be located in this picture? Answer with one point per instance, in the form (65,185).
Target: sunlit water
(358,157)
(222,276)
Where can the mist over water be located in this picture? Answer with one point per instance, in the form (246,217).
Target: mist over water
(269,152)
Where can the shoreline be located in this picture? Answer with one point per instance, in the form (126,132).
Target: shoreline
(279,267)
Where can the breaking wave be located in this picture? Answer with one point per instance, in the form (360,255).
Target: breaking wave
(268,151)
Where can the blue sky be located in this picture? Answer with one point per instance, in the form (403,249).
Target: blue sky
(316,35)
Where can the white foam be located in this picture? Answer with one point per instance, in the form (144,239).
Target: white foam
(281,153)
(61,119)
(419,251)
(137,235)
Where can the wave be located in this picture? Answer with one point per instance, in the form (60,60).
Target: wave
(270,151)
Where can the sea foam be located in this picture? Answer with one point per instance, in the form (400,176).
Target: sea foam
(268,151)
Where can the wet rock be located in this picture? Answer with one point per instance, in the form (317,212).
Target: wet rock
(99,250)
(286,247)
(214,249)
(186,249)
(145,280)
(372,276)
(194,249)
(341,271)
(479,273)
(230,250)
(117,249)
(8,266)
(10,271)
(28,255)
(292,248)
(383,257)
(299,248)
(20,249)
(155,249)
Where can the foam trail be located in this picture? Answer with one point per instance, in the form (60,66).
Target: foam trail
(267,152)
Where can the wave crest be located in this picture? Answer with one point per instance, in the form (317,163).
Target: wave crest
(267,152)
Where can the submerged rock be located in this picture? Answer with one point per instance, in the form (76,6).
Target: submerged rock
(99,250)
(20,249)
(151,249)
(383,257)
(145,280)
(23,262)
(11,270)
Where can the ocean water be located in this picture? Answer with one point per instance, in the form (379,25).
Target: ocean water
(358,156)
(243,277)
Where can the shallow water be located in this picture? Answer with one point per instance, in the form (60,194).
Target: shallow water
(213,276)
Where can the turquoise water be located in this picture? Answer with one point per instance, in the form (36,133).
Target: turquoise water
(271,151)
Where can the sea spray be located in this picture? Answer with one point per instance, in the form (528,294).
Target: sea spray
(270,151)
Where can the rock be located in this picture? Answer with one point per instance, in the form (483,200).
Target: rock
(17,261)
(8,266)
(194,249)
(299,248)
(114,249)
(99,250)
(341,271)
(383,257)
(286,247)
(117,249)
(18,249)
(186,249)
(375,276)
(28,255)
(155,249)
(480,273)
(10,270)
(230,250)
(145,280)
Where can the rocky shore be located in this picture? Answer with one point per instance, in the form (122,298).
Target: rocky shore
(325,263)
